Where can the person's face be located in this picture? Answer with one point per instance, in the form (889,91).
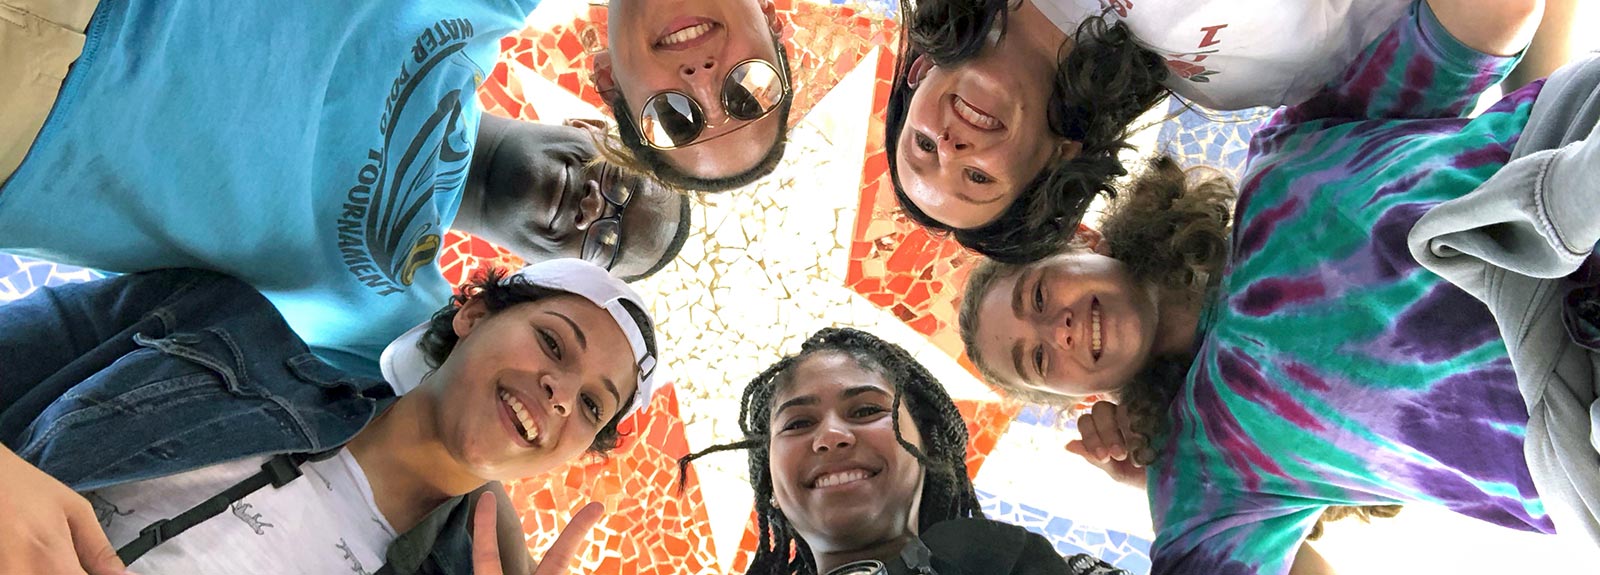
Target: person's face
(976,133)
(527,389)
(689,46)
(1075,324)
(541,186)
(838,474)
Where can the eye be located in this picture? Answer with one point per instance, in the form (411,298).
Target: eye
(868,410)
(1038,297)
(1038,360)
(551,345)
(796,423)
(978,177)
(593,407)
(925,143)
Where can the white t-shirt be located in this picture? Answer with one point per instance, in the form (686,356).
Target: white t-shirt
(325,522)
(1235,54)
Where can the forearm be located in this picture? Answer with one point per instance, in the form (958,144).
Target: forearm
(1496,27)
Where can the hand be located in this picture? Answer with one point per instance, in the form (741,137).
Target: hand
(557,561)
(1110,443)
(48,528)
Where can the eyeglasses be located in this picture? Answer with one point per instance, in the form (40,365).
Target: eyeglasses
(603,241)
(673,119)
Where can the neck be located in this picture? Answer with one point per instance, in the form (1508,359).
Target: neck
(1179,316)
(884,551)
(492,131)
(407,465)
(1031,26)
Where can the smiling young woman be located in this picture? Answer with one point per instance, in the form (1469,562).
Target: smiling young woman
(857,455)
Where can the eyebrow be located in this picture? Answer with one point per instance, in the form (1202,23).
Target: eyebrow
(812,399)
(583,342)
(612,387)
(971,200)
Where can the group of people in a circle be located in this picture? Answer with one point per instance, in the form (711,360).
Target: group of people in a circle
(1397,303)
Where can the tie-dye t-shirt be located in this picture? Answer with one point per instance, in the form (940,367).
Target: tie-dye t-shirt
(1332,368)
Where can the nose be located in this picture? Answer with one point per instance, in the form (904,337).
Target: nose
(1061,333)
(699,67)
(952,142)
(831,437)
(703,79)
(560,396)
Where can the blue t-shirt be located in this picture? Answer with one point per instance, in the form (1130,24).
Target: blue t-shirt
(316,150)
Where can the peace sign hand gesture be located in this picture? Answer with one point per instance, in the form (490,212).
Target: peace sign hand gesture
(556,561)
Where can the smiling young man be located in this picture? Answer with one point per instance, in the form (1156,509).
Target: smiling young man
(700,89)
(323,171)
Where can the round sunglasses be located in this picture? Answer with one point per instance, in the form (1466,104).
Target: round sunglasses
(673,119)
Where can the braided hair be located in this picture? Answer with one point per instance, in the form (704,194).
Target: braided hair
(946,492)
(1104,82)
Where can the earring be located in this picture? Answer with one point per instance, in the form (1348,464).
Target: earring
(773,501)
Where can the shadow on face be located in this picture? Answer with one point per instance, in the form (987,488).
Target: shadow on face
(545,197)
(838,473)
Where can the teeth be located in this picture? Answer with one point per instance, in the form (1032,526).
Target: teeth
(977,118)
(530,432)
(1094,331)
(686,34)
(842,478)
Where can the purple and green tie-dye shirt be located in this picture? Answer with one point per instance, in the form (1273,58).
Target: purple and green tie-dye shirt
(1333,369)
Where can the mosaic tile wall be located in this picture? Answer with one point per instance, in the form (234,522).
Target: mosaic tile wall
(819,243)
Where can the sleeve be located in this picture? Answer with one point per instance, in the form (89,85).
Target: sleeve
(1414,70)
(43,335)
(1238,544)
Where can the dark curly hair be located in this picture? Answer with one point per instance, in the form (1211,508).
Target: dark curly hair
(947,491)
(635,153)
(499,293)
(1104,81)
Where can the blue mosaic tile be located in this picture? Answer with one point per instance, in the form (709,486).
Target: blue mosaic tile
(1200,137)
(1069,537)
(20,276)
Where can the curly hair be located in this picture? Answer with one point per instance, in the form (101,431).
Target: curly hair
(635,154)
(1171,227)
(498,293)
(1104,82)
(947,491)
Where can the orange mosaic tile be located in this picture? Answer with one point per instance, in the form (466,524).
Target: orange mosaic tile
(650,527)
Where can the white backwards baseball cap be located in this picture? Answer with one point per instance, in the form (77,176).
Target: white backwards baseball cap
(404,364)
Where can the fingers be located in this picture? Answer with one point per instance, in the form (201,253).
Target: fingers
(485,546)
(559,558)
(95,552)
(1105,421)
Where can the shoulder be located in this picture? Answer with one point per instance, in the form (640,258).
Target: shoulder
(987,546)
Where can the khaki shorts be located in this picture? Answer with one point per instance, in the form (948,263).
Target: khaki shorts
(39,40)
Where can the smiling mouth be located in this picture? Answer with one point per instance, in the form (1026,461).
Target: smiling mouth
(842,478)
(973,116)
(689,36)
(521,419)
(1096,337)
